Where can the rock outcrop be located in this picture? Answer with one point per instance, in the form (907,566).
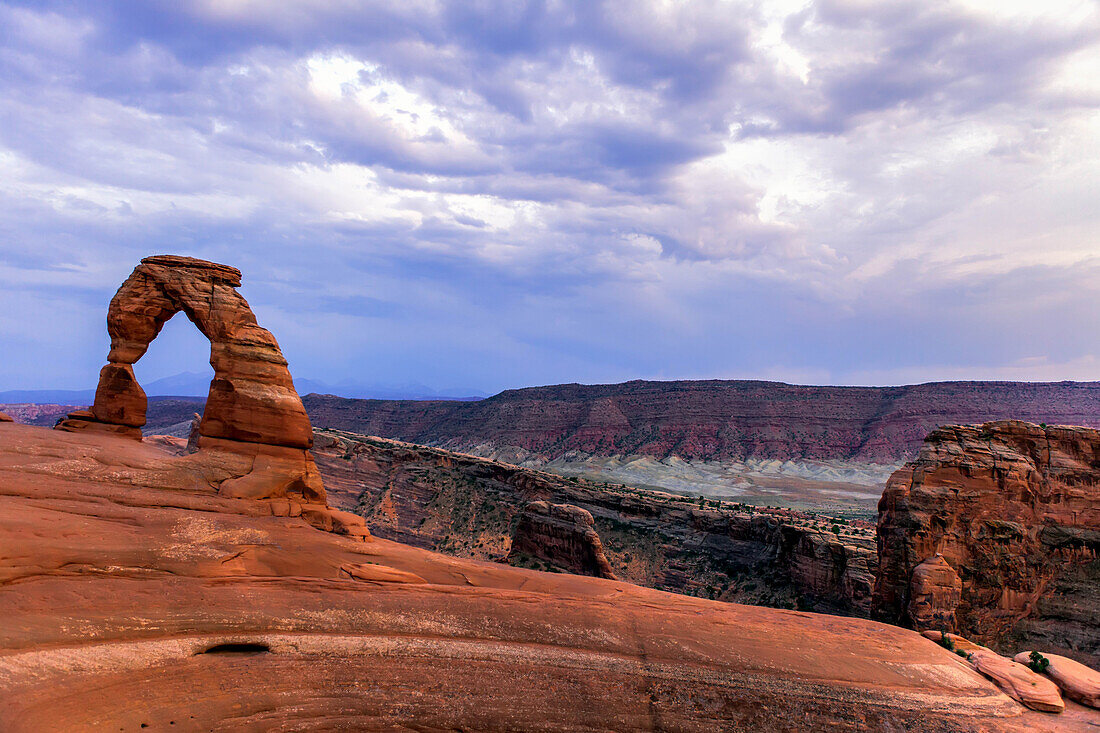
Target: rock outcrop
(1077,682)
(5,418)
(135,597)
(1014,510)
(1018,682)
(934,593)
(468,506)
(252,408)
(562,535)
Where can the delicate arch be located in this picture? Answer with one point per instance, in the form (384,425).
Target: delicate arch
(252,397)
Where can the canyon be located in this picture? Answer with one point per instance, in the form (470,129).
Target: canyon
(827,449)
(472,507)
(135,596)
(711,419)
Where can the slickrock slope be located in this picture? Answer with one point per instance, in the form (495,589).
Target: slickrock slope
(1014,510)
(711,420)
(1076,681)
(470,507)
(134,595)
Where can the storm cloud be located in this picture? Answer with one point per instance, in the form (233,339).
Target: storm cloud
(497,194)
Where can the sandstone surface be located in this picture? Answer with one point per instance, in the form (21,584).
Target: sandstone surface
(135,596)
(5,418)
(1014,510)
(955,641)
(562,535)
(252,397)
(1018,682)
(934,593)
(1076,681)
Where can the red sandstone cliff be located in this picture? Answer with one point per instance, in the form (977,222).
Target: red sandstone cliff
(562,535)
(1013,510)
(711,419)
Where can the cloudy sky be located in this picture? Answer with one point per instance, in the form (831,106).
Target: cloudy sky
(483,195)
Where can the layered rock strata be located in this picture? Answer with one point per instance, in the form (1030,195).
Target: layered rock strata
(715,420)
(562,535)
(1014,510)
(252,409)
(1018,682)
(470,507)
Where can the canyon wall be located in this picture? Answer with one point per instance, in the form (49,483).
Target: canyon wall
(994,532)
(471,507)
(709,420)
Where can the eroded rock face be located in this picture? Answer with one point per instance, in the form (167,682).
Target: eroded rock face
(934,592)
(252,409)
(1018,682)
(562,535)
(5,418)
(469,507)
(1014,509)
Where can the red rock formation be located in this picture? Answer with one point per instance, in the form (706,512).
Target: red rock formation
(1075,680)
(562,535)
(252,408)
(252,397)
(132,594)
(934,593)
(1014,509)
(1018,682)
(37,414)
(5,418)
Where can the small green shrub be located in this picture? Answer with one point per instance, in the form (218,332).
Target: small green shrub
(1037,662)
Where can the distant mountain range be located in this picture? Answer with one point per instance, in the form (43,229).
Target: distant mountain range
(197,384)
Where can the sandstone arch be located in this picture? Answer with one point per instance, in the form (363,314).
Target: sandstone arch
(252,409)
(252,397)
